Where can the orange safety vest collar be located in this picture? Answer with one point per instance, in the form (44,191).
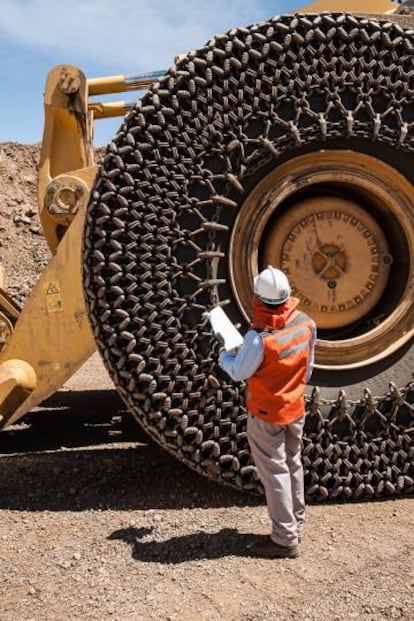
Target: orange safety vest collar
(275,391)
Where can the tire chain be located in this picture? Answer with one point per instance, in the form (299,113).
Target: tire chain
(160,219)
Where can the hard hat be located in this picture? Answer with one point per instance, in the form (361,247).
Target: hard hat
(272,286)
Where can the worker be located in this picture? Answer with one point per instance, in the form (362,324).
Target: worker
(276,358)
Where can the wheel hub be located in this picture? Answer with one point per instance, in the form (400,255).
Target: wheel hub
(336,257)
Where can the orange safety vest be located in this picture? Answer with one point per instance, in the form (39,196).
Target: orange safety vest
(275,390)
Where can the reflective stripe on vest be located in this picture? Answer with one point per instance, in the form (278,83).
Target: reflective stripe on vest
(275,390)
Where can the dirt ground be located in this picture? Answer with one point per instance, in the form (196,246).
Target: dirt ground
(97,522)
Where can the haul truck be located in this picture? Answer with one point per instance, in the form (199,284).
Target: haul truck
(290,143)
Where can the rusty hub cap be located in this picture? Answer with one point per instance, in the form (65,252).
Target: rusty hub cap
(340,224)
(336,257)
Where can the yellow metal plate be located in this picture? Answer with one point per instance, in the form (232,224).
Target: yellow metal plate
(350,6)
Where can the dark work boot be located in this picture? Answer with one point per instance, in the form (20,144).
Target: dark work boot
(266,548)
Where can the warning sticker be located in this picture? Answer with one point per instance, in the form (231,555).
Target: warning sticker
(53,297)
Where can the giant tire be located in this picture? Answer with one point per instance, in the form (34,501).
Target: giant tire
(159,229)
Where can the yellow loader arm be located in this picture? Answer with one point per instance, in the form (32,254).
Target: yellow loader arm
(52,336)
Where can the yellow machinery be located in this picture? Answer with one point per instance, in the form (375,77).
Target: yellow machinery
(286,143)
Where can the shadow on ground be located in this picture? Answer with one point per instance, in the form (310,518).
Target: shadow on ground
(72,419)
(194,547)
(83,450)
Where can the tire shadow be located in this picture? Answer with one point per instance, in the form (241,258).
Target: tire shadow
(72,419)
(83,450)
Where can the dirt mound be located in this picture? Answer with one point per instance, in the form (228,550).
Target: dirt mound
(23,249)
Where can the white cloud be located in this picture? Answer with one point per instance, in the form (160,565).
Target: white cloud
(127,35)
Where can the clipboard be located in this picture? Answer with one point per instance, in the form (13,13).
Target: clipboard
(222,325)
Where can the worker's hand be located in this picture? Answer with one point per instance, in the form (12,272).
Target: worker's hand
(218,344)
(234,351)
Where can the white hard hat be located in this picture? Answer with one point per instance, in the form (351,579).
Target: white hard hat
(272,286)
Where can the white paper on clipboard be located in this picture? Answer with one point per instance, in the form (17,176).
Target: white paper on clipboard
(222,325)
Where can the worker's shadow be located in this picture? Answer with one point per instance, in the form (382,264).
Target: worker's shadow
(198,546)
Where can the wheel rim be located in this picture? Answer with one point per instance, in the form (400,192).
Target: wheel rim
(343,267)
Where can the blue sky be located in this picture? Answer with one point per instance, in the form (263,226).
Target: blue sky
(102,37)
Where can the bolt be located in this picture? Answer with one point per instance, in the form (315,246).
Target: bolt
(331,284)
(387,259)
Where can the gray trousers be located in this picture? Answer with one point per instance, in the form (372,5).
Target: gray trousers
(276,451)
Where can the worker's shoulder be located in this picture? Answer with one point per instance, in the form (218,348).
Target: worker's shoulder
(302,318)
(299,316)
